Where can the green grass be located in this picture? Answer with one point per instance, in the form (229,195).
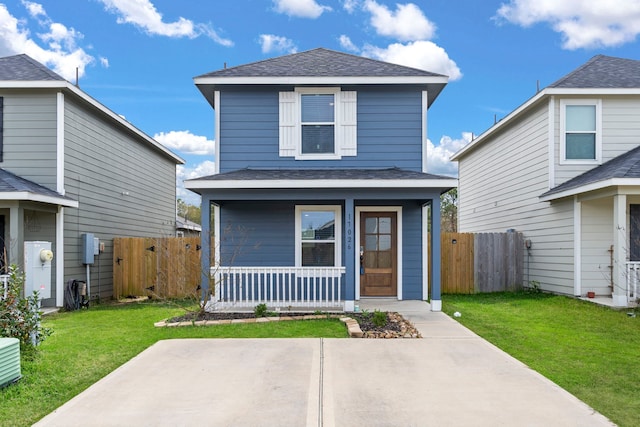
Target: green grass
(591,351)
(87,345)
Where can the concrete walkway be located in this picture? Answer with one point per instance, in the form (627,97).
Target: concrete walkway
(451,377)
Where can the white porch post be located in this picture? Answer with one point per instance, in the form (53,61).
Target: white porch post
(619,294)
(16,238)
(577,247)
(59,254)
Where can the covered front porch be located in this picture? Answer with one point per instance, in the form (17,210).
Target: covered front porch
(31,212)
(321,243)
(608,246)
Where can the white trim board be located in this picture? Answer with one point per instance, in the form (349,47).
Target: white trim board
(319,183)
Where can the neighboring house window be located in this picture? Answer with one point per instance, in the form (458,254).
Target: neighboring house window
(318,236)
(580,125)
(318,123)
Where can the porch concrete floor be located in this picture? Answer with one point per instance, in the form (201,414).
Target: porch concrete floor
(450,377)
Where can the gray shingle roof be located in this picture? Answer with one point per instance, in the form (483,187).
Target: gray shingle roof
(603,72)
(320,174)
(11,183)
(24,68)
(626,165)
(319,62)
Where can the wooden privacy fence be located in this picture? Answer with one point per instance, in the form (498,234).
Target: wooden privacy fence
(167,267)
(481,262)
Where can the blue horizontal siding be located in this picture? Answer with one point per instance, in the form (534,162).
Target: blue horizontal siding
(412,251)
(389,131)
(262,234)
(255,234)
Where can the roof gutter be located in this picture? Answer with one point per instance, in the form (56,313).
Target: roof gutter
(196,184)
(599,185)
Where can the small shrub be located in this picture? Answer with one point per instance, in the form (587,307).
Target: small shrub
(19,316)
(260,310)
(379,318)
(534,287)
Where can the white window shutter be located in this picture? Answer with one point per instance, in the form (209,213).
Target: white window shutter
(347,125)
(289,123)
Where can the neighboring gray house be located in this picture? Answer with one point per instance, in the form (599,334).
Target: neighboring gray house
(187,228)
(70,166)
(564,169)
(321,195)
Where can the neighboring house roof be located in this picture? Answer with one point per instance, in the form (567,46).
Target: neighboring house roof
(13,187)
(23,72)
(322,67)
(603,72)
(601,75)
(24,68)
(617,171)
(185,224)
(322,178)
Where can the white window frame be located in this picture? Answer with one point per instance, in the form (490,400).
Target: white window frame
(597,103)
(345,123)
(335,91)
(337,211)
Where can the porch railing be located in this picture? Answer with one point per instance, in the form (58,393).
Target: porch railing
(633,281)
(277,286)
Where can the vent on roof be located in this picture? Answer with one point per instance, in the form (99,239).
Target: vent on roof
(9,361)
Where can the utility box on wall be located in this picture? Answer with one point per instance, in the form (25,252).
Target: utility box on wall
(37,268)
(89,249)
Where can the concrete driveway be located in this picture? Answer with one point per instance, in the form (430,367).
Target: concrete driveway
(451,377)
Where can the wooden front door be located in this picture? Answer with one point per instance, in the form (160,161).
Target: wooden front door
(378,254)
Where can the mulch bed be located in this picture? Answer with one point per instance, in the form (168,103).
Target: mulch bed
(396,326)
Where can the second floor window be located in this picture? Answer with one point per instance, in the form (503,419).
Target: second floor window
(318,123)
(580,131)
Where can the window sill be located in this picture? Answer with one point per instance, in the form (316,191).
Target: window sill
(580,162)
(318,157)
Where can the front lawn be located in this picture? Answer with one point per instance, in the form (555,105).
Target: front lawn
(591,351)
(87,345)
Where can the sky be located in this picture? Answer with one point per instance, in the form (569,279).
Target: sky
(139,57)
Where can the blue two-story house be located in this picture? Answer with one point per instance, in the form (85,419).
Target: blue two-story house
(321,195)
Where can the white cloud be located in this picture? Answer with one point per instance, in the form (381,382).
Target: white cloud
(350,5)
(422,54)
(273,43)
(61,52)
(438,156)
(34,9)
(183,172)
(143,14)
(186,142)
(347,44)
(582,23)
(300,8)
(405,24)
